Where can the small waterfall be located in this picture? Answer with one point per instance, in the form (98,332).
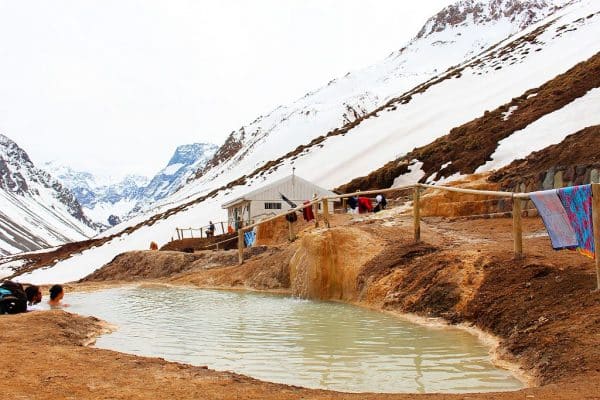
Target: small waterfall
(327,263)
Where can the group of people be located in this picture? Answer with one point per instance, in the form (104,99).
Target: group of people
(34,297)
(16,299)
(364,205)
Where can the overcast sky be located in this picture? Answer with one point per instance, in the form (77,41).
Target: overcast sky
(112,87)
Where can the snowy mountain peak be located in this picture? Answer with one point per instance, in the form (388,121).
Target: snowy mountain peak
(520,13)
(36,210)
(186,159)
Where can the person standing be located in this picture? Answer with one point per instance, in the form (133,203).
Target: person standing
(210,232)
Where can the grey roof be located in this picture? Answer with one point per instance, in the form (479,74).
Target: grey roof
(248,196)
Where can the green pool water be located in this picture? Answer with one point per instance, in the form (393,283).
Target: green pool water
(292,341)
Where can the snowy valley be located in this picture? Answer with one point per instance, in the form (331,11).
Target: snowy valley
(469,59)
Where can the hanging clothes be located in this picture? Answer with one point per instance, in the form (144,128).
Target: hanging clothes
(555,219)
(307,212)
(364,205)
(249,238)
(577,201)
(353,202)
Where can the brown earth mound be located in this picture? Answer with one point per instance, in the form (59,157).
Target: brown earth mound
(225,242)
(579,150)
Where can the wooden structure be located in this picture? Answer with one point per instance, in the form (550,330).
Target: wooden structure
(266,201)
(517,199)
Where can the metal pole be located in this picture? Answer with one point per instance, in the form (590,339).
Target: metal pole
(517,228)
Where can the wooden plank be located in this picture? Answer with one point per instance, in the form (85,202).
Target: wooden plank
(417,213)
(468,191)
(517,228)
(240,246)
(344,205)
(368,192)
(596,222)
(326,212)
(292,234)
(315,208)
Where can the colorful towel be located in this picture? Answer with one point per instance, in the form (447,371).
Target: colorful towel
(577,201)
(249,238)
(555,219)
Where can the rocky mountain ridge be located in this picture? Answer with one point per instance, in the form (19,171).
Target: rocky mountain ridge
(37,210)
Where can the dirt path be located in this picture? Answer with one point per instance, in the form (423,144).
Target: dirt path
(541,308)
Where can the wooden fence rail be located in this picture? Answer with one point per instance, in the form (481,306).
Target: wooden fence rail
(517,200)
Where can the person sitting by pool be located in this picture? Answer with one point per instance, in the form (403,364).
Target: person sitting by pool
(56,295)
(34,297)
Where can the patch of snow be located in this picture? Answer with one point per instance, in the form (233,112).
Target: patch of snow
(548,130)
(506,115)
(414,174)
(172,169)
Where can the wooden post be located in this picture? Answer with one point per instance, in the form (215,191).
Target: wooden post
(191,232)
(222,227)
(596,219)
(326,212)
(292,235)
(344,205)
(315,208)
(417,213)
(200,232)
(178,234)
(517,228)
(241,246)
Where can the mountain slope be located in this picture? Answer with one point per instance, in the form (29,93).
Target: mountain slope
(413,118)
(458,33)
(186,160)
(36,211)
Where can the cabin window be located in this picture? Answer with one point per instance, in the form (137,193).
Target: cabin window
(272,206)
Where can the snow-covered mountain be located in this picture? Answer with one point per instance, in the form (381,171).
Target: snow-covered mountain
(103,201)
(36,211)
(186,160)
(109,203)
(457,33)
(440,81)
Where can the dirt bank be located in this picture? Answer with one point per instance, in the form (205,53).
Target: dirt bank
(541,308)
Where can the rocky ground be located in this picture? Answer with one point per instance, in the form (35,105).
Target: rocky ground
(543,309)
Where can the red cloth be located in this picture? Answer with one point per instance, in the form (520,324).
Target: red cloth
(307,212)
(364,205)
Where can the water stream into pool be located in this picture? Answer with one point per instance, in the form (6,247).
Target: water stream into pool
(292,341)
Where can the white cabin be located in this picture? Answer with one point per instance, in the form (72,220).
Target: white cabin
(267,201)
